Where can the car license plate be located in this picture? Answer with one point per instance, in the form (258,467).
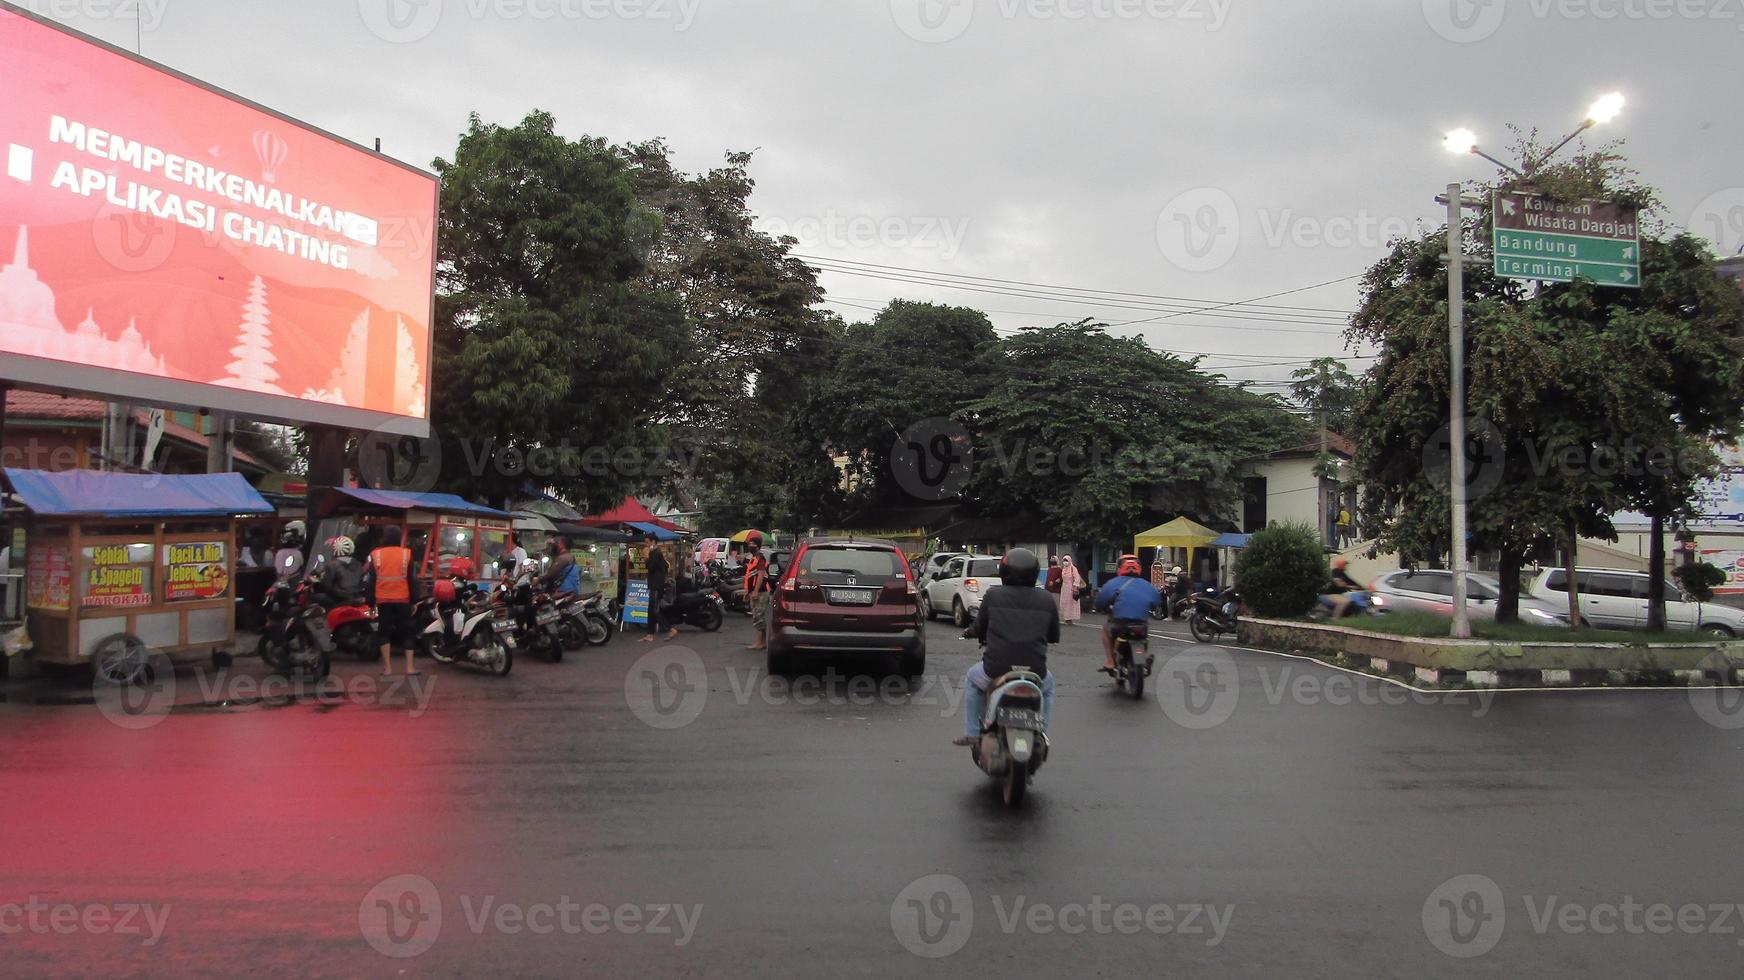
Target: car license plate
(1021,718)
(850,597)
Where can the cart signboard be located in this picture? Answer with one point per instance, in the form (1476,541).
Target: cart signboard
(49,578)
(1543,239)
(195,570)
(118,575)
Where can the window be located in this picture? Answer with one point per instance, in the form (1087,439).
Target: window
(1478,589)
(1617,586)
(1557,581)
(493,551)
(955,568)
(453,542)
(985,568)
(834,564)
(1431,583)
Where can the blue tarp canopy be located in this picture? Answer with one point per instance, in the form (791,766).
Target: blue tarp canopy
(88,493)
(1231,540)
(660,533)
(402,500)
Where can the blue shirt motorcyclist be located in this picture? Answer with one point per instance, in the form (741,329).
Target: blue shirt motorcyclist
(1128,599)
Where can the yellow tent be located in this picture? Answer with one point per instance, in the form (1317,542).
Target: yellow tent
(1178,533)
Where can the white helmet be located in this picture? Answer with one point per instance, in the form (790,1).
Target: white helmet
(344,547)
(528,568)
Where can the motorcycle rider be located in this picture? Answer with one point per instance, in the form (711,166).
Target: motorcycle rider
(564,576)
(1337,595)
(1128,599)
(341,580)
(1015,624)
(288,560)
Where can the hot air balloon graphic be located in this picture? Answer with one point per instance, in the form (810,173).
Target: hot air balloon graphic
(271,148)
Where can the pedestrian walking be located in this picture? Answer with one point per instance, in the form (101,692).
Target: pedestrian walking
(756,584)
(1072,588)
(1053,582)
(390,585)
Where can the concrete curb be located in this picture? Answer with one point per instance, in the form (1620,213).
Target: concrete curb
(1484,663)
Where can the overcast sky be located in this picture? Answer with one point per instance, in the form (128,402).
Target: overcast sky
(1209,151)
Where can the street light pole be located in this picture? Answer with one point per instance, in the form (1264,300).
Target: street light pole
(1456,395)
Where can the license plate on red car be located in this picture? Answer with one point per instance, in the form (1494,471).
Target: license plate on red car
(851,597)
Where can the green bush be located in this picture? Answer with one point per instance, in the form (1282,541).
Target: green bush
(1281,571)
(1700,579)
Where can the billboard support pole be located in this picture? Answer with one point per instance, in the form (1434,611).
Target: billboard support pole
(326,468)
(218,443)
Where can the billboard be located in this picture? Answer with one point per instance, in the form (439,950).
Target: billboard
(166,242)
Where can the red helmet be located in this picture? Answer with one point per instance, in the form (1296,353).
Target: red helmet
(445,590)
(1129,566)
(460,567)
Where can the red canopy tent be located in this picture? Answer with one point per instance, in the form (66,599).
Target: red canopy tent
(631,512)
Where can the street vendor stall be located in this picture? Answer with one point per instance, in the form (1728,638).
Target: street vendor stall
(1182,533)
(439,528)
(120,567)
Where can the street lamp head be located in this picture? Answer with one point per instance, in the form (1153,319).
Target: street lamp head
(1606,109)
(1461,141)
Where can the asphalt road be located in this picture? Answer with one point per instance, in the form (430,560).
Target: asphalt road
(669,810)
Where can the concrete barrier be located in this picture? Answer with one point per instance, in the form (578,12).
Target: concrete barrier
(1441,661)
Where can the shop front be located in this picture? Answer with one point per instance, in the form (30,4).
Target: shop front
(122,567)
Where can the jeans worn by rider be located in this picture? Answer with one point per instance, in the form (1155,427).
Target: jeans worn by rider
(1015,626)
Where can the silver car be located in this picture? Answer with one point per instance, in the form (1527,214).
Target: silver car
(1431,590)
(1613,598)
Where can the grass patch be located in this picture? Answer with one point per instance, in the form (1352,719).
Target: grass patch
(1431,626)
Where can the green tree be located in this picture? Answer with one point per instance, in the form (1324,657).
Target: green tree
(750,307)
(914,362)
(1329,392)
(548,329)
(1092,432)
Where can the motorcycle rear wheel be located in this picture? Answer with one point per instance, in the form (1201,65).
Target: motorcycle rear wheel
(574,637)
(1135,679)
(1016,784)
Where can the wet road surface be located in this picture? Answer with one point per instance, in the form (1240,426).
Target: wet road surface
(669,810)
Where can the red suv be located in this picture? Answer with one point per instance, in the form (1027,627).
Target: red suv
(846,594)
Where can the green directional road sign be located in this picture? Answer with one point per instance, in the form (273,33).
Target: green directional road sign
(1560,241)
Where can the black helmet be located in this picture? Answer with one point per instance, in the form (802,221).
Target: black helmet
(1019,567)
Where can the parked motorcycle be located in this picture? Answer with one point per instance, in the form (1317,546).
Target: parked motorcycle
(295,638)
(353,625)
(1133,660)
(459,624)
(534,620)
(703,609)
(1214,614)
(1014,738)
(730,583)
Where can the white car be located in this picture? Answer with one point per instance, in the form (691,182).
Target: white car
(1612,598)
(957,588)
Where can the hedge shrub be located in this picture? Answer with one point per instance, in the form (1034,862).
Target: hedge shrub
(1281,571)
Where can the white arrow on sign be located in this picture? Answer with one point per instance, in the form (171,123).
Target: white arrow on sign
(1627,275)
(1629,253)
(1508,206)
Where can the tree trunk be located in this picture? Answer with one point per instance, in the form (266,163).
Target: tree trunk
(1508,606)
(1574,619)
(1656,577)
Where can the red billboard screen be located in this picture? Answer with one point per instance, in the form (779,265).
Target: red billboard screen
(162,241)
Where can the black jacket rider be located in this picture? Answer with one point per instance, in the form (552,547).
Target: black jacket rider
(1016,624)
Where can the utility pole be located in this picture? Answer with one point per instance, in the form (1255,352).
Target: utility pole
(1456,395)
(218,443)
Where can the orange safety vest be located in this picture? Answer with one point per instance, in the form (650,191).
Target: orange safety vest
(756,575)
(392,574)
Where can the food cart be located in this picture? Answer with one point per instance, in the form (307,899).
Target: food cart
(122,567)
(438,527)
